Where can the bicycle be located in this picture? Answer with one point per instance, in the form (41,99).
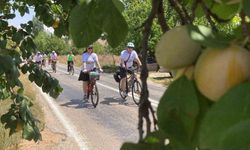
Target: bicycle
(92,88)
(71,68)
(132,84)
(53,65)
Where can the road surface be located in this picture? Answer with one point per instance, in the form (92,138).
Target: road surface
(111,123)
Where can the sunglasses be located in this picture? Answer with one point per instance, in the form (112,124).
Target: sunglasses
(90,48)
(130,47)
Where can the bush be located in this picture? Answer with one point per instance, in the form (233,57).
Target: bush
(110,68)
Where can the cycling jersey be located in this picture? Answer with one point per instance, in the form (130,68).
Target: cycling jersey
(70,57)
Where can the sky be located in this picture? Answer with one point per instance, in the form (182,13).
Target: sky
(18,19)
(24,19)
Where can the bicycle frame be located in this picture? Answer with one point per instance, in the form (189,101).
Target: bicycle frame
(93,91)
(132,85)
(130,78)
(71,68)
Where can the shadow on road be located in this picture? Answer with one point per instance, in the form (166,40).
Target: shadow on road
(115,101)
(78,103)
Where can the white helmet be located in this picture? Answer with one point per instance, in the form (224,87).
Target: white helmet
(130,44)
(53,51)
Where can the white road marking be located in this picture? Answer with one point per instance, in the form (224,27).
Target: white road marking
(71,130)
(153,102)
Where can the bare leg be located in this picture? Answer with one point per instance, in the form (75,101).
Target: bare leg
(123,84)
(85,87)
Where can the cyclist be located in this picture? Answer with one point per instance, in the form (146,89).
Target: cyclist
(127,57)
(70,59)
(53,58)
(38,58)
(89,62)
(44,59)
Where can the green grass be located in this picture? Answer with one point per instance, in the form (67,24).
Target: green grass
(11,142)
(109,68)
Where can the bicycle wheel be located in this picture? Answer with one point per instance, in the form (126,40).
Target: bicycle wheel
(94,96)
(136,92)
(53,66)
(72,70)
(122,93)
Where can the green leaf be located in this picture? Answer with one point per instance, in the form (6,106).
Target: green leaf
(225,11)
(17,37)
(114,23)
(119,5)
(3,24)
(239,135)
(6,62)
(157,137)
(177,112)
(199,11)
(142,146)
(82,27)
(28,132)
(3,44)
(24,68)
(231,109)
(206,37)
(10,16)
(23,9)
(32,77)
(89,20)
(245,5)
(60,31)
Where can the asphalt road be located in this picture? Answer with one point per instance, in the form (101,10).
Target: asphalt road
(112,122)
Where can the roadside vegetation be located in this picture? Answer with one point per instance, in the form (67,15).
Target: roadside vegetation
(11,142)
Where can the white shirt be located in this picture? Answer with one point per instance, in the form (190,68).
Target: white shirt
(53,56)
(125,57)
(90,60)
(38,58)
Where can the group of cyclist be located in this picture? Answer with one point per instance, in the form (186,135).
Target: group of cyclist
(90,62)
(40,59)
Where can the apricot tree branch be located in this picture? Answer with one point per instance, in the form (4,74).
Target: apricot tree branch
(246,31)
(176,7)
(144,102)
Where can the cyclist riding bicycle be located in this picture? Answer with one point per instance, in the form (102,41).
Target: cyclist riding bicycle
(127,58)
(38,58)
(53,59)
(89,62)
(70,59)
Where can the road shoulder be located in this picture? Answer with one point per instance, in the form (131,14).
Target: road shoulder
(54,135)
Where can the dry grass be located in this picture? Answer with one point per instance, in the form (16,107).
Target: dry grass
(103,59)
(160,78)
(11,142)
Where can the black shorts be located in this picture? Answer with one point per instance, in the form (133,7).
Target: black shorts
(70,62)
(123,72)
(84,76)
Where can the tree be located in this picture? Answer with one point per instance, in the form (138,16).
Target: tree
(186,115)
(47,42)
(37,26)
